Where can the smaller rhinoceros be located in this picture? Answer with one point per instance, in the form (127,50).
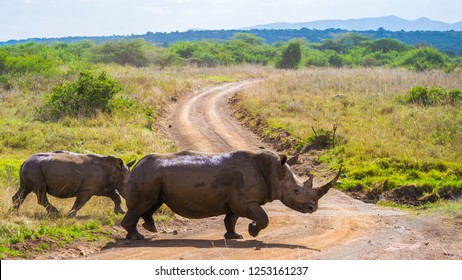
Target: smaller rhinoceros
(65,174)
(196,185)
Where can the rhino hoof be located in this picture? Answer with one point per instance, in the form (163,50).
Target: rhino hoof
(232,235)
(71,214)
(53,214)
(151,228)
(120,211)
(253,230)
(135,236)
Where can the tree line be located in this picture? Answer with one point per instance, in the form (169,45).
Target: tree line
(348,50)
(449,42)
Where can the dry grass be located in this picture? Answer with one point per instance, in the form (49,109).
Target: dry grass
(374,125)
(362,102)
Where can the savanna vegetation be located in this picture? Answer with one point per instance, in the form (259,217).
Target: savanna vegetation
(397,109)
(398,132)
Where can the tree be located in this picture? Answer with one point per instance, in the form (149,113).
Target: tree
(162,57)
(129,52)
(336,60)
(343,43)
(203,59)
(248,38)
(386,45)
(291,55)
(185,49)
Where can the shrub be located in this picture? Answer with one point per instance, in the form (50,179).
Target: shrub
(424,59)
(291,56)
(335,60)
(85,97)
(433,96)
(316,58)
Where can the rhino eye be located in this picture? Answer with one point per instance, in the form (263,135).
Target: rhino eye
(296,191)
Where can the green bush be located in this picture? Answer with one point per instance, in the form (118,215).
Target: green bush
(88,95)
(316,58)
(291,56)
(424,59)
(335,60)
(322,139)
(433,96)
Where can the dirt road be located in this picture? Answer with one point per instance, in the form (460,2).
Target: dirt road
(342,228)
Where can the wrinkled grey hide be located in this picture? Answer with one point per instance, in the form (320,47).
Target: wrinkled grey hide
(196,185)
(65,174)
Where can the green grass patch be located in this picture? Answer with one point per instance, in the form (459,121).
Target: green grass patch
(432,96)
(441,178)
(46,234)
(219,79)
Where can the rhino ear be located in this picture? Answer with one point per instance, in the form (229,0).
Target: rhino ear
(293,160)
(283,159)
(120,163)
(130,164)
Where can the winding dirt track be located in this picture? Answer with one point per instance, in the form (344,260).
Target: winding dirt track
(342,228)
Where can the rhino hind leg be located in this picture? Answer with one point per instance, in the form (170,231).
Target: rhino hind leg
(19,197)
(259,217)
(42,199)
(230,225)
(129,224)
(147,217)
(82,199)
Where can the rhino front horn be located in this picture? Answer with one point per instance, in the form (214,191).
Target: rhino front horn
(324,189)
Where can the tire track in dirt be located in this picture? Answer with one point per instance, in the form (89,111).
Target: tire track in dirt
(342,228)
(203,122)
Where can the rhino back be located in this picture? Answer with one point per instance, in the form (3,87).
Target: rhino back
(198,186)
(67,174)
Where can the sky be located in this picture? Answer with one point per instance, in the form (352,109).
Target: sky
(22,19)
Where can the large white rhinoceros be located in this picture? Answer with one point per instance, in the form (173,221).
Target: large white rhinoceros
(196,185)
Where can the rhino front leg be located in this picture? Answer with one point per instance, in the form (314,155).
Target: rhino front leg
(114,195)
(259,217)
(82,198)
(230,225)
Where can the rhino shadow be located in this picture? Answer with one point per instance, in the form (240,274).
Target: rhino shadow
(202,243)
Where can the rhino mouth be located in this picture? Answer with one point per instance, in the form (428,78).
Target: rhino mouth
(308,209)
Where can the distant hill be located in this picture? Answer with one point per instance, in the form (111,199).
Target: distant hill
(391,23)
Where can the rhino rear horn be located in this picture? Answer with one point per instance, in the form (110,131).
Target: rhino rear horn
(309,183)
(324,189)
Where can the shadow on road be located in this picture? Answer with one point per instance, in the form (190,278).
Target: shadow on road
(201,243)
